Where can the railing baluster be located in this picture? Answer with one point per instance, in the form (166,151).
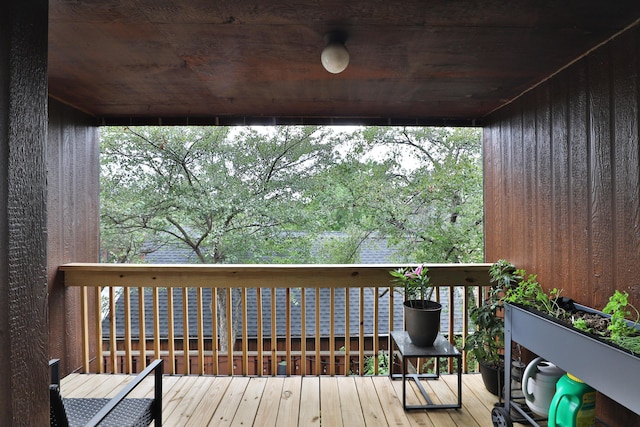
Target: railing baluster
(186,360)
(98,329)
(260,343)
(84,312)
(303,331)
(287,357)
(452,312)
(170,332)
(347,339)
(274,339)
(317,343)
(127,331)
(142,333)
(112,326)
(230,362)
(332,335)
(156,323)
(391,325)
(376,332)
(465,327)
(214,332)
(245,335)
(361,348)
(200,302)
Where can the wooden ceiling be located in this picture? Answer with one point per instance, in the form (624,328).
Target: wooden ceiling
(258,61)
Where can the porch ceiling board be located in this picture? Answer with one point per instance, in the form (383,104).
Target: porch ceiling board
(202,62)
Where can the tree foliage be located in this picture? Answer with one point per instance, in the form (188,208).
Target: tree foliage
(262,195)
(230,197)
(419,187)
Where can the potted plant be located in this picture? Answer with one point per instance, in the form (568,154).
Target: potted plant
(421,314)
(487,341)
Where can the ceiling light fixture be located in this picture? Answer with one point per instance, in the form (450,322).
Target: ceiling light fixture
(335,56)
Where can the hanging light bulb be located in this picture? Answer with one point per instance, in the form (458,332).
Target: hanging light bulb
(335,56)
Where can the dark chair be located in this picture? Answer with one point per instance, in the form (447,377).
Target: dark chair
(117,412)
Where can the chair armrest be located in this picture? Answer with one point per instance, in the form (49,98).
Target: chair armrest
(156,368)
(54,367)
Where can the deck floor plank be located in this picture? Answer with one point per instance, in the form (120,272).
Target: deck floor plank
(289,408)
(98,386)
(372,409)
(446,394)
(209,401)
(471,404)
(298,401)
(73,381)
(248,407)
(181,396)
(476,385)
(350,405)
(270,402)
(230,402)
(416,417)
(310,402)
(392,403)
(330,410)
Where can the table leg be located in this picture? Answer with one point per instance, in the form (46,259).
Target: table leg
(404,383)
(460,381)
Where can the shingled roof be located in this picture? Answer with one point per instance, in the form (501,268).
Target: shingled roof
(281,304)
(374,250)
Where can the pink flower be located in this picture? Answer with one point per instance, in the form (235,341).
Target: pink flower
(415,273)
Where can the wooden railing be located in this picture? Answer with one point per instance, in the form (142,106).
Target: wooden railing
(295,301)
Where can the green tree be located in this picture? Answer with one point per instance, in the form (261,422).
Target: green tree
(210,189)
(431,203)
(419,187)
(229,196)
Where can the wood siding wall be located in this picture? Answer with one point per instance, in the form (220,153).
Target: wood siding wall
(562,179)
(24,373)
(73,222)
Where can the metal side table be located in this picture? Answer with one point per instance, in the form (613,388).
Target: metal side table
(402,347)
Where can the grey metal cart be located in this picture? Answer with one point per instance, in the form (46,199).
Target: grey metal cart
(608,369)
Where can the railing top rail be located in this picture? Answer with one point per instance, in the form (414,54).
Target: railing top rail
(262,275)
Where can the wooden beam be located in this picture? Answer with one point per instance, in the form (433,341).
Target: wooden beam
(260,275)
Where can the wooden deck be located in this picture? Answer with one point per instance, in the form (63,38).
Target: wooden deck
(297,401)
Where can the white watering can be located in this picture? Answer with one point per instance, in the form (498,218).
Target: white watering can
(539,385)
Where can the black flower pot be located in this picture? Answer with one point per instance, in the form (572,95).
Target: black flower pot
(492,377)
(422,320)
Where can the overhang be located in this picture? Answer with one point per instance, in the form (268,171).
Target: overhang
(254,61)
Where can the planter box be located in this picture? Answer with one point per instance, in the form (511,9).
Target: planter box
(609,369)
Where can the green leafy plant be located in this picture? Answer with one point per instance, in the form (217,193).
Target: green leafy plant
(414,283)
(580,323)
(619,309)
(529,292)
(621,330)
(383,364)
(487,341)
(631,343)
